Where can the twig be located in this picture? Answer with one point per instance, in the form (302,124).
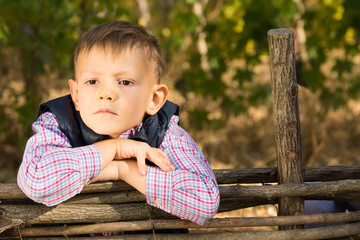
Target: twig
(155,224)
(303,234)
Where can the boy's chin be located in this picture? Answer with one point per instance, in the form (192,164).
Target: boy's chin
(112,129)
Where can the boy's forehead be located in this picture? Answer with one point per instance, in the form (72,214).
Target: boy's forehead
(114,53)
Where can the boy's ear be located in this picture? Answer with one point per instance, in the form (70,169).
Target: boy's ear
(160,93)
(74,93)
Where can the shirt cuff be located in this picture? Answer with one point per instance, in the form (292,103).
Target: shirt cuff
(90,163)
(159,188)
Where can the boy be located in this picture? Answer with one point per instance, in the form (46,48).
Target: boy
(114,119)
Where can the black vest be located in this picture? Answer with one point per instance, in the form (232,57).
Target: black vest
(70,123)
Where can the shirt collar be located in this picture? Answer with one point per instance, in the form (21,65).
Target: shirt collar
(131,132)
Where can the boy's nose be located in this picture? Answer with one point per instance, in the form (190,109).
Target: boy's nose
(107,94)
(106,98)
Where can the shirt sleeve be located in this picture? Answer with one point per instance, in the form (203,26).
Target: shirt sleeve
(189,192)
(52,171)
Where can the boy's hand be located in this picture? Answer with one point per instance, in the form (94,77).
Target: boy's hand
(126,149)
(126,170)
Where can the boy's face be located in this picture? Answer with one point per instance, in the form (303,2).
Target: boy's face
(113,92)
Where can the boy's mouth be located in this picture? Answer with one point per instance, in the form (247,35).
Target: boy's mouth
(105,111)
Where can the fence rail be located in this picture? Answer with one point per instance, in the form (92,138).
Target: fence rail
(112,202)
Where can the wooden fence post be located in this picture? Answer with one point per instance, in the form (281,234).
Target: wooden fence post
(286,117)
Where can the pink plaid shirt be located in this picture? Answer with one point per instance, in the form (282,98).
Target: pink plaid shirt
(52,171)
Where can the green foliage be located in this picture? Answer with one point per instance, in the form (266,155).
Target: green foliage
(332,25)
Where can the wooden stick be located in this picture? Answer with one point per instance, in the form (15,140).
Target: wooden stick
(334,189)
(269,175)
(12,191)
(303,234)
(223,176)
(112,197)
(182,224)
(77,213)
(238,196)
(344,190)
(286,117)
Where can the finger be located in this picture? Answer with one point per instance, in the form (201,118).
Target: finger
(140,158)
(160,159)
(167,158)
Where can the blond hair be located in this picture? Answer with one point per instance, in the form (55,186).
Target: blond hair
(119,35)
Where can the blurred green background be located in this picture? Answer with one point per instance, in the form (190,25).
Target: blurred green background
(217,69)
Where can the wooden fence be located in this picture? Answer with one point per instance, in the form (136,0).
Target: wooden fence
(116,206)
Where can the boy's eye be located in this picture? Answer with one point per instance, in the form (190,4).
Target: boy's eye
(92,82)
(125,82)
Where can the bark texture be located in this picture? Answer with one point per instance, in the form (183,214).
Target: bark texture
(66,230)
(286,117)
